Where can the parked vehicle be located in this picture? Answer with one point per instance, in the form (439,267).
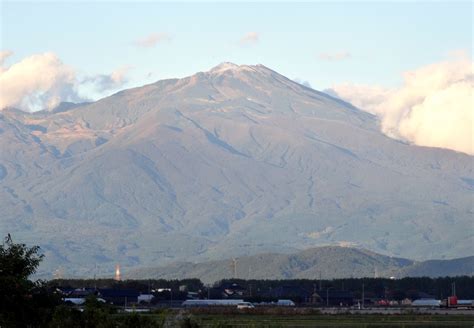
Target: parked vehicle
(426,302)
(285,303)
(454,303)
(245,305)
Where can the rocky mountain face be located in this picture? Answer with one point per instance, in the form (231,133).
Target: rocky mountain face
(235,161)
(326,262)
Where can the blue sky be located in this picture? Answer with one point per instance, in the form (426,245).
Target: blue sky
(370,43)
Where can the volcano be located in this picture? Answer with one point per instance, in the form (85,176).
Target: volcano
(235,161)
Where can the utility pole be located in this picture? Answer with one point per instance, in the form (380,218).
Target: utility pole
(320,286)
(363,295)
(95,276)
(171,296)
(327,296)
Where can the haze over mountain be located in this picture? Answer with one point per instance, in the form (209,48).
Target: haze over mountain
(234,161)
(326,262)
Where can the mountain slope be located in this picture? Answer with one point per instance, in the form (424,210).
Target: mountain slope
(440,268)
(234,161)
(328,262)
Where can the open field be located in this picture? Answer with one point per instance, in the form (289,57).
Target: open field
(362,321)
(287,318)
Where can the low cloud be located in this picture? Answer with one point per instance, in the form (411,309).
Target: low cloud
(249,38)
(366,97)
(434,107)
(334,56)
(42,81)
(302,82)
(113,81)
(152,40)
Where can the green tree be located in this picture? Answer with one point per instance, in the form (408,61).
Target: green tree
(18,300)
(66,316)
(18,260)
(96,315)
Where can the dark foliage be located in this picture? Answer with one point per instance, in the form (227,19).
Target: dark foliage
(143,286)
(22,302)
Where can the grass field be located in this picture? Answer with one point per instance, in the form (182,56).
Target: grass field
(332,321)
(299,317)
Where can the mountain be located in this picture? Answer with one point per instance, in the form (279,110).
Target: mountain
(327,262)
(440,268)
(235,161)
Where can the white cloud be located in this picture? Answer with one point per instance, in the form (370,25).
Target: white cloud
(152,40)
(42,81)
(37,82)
(366,97)
(250,38)
(335,56)
(4,54)
(433,108)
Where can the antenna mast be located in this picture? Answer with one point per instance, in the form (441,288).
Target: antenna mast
(233,266)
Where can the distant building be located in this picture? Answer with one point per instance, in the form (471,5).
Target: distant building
(119,296)
(283,291)
(81,292)
(74,300)
(78,300)
(231,290)
(295,293)
(207,303)
(333,297)
(406,301)
(426,302)
(145,298)
(192,295)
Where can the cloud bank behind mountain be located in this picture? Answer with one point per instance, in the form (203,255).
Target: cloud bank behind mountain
(42,81)
(433,107)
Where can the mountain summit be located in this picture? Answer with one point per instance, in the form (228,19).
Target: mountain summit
(227,66)
(235,161)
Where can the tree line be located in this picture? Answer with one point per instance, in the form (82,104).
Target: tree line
(27,303)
